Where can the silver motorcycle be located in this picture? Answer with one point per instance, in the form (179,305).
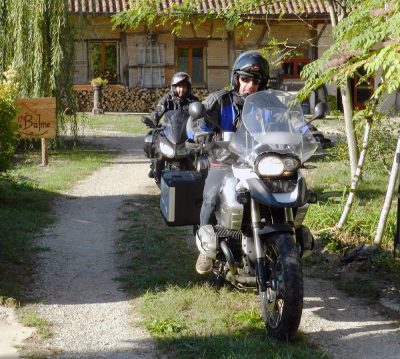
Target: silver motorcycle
(259,239)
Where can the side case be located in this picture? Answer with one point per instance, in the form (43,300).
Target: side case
(181,197)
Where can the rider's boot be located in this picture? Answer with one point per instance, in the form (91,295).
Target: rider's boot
(203,264)
(206,241)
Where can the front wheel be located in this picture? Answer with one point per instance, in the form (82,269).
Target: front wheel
(282,302)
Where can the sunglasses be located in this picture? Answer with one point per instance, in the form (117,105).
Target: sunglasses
(247,79)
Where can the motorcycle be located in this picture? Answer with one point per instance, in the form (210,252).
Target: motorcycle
(165,146)
(259,239)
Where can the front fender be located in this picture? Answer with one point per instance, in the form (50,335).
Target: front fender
(276,228)
(260,193)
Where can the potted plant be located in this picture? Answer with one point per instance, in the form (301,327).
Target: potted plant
(98,83)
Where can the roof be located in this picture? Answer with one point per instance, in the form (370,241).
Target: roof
(290,7)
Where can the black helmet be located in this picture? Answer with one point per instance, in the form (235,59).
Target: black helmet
(181,78)
(252,64)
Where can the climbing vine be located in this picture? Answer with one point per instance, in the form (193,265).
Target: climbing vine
(153,14)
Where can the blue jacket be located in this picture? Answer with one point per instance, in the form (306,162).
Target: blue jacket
(223,110)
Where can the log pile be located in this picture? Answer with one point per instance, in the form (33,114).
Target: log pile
(125,99)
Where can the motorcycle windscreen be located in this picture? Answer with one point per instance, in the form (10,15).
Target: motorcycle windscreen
(175,126)
(274,122)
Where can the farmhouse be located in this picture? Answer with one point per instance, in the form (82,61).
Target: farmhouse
(139,63)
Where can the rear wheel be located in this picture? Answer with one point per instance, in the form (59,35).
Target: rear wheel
(282,302)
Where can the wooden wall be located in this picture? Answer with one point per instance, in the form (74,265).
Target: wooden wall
(221,47)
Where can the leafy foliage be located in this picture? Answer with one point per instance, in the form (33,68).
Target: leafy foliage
(8,112)
(150,14)
(366,44)
(37,38)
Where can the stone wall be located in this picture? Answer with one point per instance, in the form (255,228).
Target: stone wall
(125,99)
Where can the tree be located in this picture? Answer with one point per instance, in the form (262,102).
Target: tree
(366,38)
(36,38)
(8,111)
(366,43)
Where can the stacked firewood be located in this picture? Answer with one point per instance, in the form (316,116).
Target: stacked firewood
(127,99)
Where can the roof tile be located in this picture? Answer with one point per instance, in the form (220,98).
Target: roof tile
(290,7)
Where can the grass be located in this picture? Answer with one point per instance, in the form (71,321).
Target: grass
(26,195)
(187,315)
(330,181)
(362,279)
(130,124)
(30,319)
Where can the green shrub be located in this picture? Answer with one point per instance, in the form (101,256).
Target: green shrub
(8,112)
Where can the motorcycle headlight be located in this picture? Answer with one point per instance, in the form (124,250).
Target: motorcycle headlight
(272,166)
(167,150)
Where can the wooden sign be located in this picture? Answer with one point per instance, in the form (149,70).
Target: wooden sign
(37,117)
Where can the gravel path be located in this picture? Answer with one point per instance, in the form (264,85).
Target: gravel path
(344,327)
(93,318)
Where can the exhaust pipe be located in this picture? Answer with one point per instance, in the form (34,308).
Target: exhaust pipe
(232,275)
(229,257)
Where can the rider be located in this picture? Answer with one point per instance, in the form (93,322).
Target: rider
(178,98)
(250,73)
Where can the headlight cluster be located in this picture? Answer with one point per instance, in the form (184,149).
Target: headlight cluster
(167,150)
(274,165)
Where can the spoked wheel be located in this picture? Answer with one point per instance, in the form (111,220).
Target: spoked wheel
(282,302)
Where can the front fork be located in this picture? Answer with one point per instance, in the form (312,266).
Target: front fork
(261,265)
(261,268)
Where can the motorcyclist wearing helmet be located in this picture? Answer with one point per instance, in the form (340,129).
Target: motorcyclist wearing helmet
(179,97)
(250,73)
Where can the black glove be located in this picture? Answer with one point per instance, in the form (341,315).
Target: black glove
(148,122)
(155,119)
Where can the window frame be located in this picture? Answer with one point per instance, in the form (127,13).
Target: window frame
(366,85)
(295,61)
(190,47)
(103,43)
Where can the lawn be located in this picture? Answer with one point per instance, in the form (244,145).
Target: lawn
(27,192)
(121,123)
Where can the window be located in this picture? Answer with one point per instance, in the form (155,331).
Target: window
(191,60)
(104,60)
(293,67)
(362,89)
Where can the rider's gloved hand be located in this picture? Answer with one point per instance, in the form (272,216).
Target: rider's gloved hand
(155,119)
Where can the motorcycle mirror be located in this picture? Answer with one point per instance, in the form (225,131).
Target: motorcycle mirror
(320,110)
(196,110)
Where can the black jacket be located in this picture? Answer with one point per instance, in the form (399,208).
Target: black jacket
(170,102)
(223,113)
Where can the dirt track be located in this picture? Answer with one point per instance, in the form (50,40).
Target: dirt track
(92,317)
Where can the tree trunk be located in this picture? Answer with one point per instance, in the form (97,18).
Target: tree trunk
(356,177)
(350,131)
(346,100)
(388,198)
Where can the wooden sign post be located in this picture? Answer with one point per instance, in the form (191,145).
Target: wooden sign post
(37,119)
